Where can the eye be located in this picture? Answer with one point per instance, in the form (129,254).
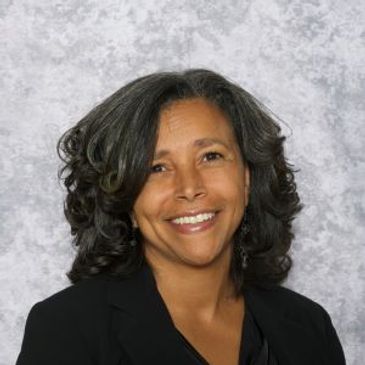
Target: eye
(212,156)
(157,168)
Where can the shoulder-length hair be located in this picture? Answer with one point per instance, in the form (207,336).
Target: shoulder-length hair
(107,157)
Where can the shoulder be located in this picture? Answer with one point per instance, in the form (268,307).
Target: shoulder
(289,304)
(294,315)
(66,326)
(284,297)
(81,307)
(79,295)
(305,313)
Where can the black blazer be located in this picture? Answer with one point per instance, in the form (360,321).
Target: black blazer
(109,321)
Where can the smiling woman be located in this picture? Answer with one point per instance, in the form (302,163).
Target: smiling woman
(181,203)
(193,203)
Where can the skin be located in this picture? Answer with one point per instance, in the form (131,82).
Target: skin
(192,270)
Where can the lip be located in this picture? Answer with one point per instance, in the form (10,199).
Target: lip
(189,228)
(192,213)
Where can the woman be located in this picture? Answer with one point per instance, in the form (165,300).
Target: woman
(181,203)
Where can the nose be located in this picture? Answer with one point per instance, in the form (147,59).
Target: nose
(189,185)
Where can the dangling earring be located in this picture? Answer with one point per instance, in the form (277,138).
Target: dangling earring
(244,229)
(244,257)
(133,242)
(133,239)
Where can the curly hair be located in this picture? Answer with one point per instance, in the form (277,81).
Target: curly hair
(107,157)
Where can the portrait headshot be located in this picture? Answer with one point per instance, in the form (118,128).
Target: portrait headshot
(182,184)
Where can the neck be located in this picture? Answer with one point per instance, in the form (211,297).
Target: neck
(205,291)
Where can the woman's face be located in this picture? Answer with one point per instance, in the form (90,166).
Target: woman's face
(196,194)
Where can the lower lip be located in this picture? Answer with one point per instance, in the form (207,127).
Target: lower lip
(195,227)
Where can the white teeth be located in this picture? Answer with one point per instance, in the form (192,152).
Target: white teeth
(195,219)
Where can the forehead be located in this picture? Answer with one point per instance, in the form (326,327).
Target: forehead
(186,120)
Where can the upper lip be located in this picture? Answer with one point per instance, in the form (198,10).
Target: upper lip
(192,213)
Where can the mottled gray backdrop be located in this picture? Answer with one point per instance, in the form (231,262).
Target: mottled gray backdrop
(304,59)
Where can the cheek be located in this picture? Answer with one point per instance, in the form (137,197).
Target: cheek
(149,203)
(230,183)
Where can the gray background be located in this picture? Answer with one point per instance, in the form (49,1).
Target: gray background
(304,59)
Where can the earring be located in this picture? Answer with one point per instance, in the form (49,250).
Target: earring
(244,229)
(244,257)
(133,239)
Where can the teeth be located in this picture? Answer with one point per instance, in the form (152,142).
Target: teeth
(195,219)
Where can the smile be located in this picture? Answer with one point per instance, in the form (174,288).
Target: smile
(194,219)
(194,223)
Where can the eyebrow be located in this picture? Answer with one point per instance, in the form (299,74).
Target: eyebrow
(201,143)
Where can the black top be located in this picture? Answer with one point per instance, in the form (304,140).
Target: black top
(112,321)
(254,348)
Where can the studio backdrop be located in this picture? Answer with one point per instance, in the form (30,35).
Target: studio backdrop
(303,58)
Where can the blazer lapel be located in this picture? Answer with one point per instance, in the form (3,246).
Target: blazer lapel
(290,340)
(142,323)
(144,328)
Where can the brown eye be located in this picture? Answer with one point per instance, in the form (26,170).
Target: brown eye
(157,168)
(212,156)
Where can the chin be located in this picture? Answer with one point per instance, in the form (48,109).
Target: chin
(201,259)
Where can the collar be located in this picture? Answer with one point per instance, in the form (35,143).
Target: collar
(292,340)
(142,323)
(145,330)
